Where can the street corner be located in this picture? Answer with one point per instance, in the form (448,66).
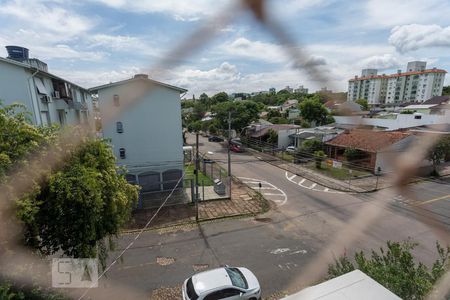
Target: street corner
(305,183)
(268,190)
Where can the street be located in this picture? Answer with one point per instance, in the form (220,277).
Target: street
(278,245)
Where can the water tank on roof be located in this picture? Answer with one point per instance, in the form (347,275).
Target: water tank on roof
(17,53)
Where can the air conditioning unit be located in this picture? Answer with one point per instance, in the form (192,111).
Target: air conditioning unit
(46,99)
(56,94)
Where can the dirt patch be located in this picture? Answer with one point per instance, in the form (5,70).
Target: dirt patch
(165,261)
(166,293)
(200,267)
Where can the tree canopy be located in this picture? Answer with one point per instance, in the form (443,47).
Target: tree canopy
(363,103)
(312,110)
(396,269)
(242,114)
(83,200)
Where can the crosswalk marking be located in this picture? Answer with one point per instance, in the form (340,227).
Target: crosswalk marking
(313,185)
(301,181)
(292,177)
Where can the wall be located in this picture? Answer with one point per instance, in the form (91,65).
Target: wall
(283,137)
(402,120)
(14,86)
(152,134)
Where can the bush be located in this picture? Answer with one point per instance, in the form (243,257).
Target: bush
(396,269)
(319,156)
(352,154)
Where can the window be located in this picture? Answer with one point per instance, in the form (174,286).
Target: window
(119,127)
(237,278)
(116,100)
(417,117)
(122,153)
(222,294)
(62,116)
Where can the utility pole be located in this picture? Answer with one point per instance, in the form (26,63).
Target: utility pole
(197,163)
(229,154)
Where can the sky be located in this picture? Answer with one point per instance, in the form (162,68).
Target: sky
(93,42)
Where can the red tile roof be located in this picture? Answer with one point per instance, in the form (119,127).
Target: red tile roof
(399,74)
(367,140)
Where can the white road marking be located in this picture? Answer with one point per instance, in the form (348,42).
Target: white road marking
(280,250)
(314,186)
(266,186)
(292,177)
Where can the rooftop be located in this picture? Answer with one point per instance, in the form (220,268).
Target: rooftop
(367,140)
(399,74)
(138,77)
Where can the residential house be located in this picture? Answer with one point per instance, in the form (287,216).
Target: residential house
(146,134)
(321,133)
(293,113)
(258,132)
(288,104)
(49,98)
(377,149)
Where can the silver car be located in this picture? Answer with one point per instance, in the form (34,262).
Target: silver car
(222,283)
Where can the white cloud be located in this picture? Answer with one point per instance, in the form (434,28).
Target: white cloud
(388,13)
(180,10)
(381,62)
(255,50)
(415,36)
(49,18)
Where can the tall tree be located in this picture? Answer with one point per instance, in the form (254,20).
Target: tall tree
(219,98)
(83,200)
(363,103)
(313,110)
(242,114)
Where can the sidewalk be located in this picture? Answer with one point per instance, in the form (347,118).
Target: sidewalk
(244,201)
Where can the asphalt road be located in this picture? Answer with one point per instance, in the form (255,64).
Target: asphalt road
(278,245)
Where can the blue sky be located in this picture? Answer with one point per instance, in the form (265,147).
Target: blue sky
(98,41)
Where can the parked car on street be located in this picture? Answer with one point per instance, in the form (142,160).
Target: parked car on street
(236,148)
(291,149)
(214,138)
(222,283)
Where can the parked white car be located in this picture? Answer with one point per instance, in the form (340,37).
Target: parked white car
(291,149)
(222,283)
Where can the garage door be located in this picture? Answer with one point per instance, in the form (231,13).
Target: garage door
(150,182)
(170,179)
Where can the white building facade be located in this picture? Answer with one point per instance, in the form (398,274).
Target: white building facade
(416,85)
(146,134)
(49,98)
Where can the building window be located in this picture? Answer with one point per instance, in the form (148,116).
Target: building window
(62,116)
(119,127)
(122,153)
(116,100)
(417,117)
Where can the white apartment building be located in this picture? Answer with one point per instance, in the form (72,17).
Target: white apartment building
(417,84)
(50,99)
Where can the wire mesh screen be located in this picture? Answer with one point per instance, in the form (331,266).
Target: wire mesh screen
(14,257)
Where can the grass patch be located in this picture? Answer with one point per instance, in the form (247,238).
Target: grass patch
(201,176)
(285,156)
(341,174)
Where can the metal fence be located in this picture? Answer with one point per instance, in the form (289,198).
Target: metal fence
(23,178)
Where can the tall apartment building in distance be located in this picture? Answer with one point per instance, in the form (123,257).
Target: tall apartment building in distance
(417,84)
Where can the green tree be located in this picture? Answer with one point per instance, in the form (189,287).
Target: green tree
(219,98)
(85,191)
(312,110)
(272,113)
(319,157)
(363,103)
(446,90)
(311,146)
(272,136)
(212,129)
(440,151)
(395,268)
(90,194)
(242,114)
